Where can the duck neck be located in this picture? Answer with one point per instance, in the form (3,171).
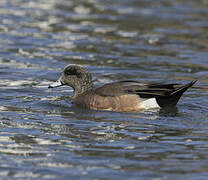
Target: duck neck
(82,89)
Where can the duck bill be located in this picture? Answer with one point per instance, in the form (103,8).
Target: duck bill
(58,83)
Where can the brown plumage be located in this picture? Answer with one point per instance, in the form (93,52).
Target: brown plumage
(118,96)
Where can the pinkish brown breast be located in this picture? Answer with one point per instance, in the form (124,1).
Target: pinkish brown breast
(120,103)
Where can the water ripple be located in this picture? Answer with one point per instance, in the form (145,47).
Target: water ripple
(44,136)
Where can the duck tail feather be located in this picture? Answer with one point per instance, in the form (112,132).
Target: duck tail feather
(174,97)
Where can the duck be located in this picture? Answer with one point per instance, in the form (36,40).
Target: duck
(120,96)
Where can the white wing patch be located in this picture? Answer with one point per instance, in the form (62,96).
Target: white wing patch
(149,104)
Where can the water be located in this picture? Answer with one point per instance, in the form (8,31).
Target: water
(42,136)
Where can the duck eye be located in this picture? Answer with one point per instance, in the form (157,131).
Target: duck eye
(73,72)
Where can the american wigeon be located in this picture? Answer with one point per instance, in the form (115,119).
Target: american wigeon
(118,96)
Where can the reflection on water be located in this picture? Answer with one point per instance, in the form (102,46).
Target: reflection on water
(43,136)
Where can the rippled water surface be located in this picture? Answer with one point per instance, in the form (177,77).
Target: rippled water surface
(43,136)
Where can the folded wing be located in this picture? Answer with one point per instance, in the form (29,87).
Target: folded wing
(164,93)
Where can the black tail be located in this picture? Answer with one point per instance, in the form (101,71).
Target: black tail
(173,98)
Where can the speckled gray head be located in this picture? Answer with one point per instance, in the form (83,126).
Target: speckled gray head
(75,76)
